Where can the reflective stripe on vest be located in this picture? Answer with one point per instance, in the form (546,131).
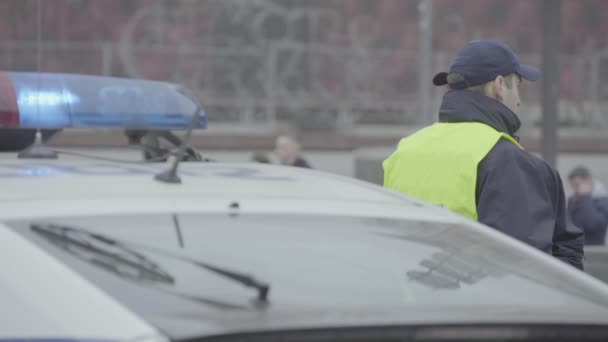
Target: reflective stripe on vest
(438,164)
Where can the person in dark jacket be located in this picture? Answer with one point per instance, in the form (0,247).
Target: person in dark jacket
(288,152)
(588,206)
(472,163)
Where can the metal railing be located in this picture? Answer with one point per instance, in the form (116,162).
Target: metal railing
(317,86)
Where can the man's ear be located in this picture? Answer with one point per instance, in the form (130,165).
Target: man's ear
(498,87)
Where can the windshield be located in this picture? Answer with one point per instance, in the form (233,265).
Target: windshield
(310,262)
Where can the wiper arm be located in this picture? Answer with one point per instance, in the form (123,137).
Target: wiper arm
(149,270)
(244,279)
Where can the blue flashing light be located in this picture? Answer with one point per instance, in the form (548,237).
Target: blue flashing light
(46,98)
(49,100)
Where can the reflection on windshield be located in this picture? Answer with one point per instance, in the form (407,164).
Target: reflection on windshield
(447,271)
(317,260)
(466,259)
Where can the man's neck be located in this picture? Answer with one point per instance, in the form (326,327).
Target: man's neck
(470,106)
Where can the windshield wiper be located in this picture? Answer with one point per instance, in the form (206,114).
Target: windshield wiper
(123,259)
(244,279)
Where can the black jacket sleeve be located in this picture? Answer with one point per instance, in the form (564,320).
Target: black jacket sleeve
(522,196)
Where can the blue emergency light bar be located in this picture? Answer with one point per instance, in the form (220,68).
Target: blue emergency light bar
(53,100)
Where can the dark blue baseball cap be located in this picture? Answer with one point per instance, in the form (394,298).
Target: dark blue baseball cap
(481,61)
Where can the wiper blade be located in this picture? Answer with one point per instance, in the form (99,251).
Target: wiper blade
(135,265)
(122,261)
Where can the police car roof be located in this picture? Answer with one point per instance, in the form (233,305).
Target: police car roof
(368,256)
(80,186)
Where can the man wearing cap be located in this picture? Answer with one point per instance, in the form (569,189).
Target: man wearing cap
(472,163)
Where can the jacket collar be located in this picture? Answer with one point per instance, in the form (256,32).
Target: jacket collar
(470,106)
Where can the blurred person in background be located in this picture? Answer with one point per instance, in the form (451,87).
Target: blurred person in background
(588,206)
(287,150)
(260,157)
(472,163)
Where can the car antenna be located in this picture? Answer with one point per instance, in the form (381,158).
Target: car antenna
(38,149)
(170,175)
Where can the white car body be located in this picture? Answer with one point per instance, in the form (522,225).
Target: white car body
(42,297)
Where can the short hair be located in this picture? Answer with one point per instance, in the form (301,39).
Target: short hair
(480,88)
(580,172)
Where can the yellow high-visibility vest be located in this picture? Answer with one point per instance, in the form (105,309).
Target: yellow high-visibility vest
(438,164)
